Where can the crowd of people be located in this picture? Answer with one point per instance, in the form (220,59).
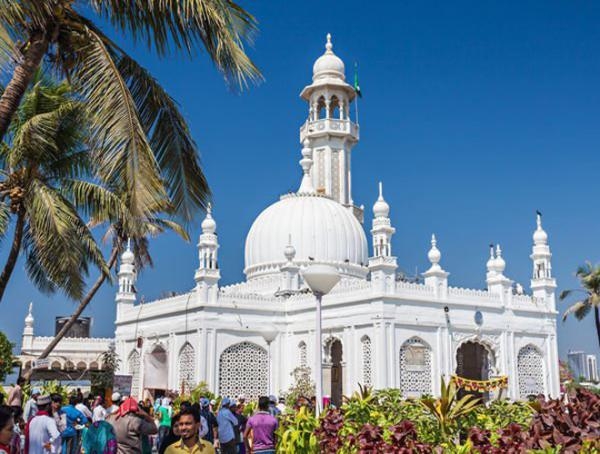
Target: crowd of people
(46,424)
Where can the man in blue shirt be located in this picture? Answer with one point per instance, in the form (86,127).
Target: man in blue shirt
(226,428)
(71,435)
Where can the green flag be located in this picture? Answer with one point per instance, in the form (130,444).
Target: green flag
(356,84)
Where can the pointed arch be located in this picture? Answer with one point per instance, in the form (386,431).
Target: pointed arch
(302,358)
(321,108)
(133,369)
(530,371)
(187,367)
(244,369)
(367,360)
(415,368)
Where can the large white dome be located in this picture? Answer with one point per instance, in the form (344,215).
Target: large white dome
(319,228)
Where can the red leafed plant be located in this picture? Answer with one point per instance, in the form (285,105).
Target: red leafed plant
(403,440)
(328,433)
(566,424)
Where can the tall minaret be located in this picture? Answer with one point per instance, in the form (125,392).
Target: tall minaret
(329,130)
(126,295)
(382,265)
(27,339)
(207,275)
(543,285)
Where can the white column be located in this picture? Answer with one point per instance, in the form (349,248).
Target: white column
(382,359)
(513,378)
(348,348)
(389,328)
(172,353)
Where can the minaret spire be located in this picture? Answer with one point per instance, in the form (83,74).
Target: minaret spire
(543,285)
(306,186)
(208,275)
(331,132)
(382,265)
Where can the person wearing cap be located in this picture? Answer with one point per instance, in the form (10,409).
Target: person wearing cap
(41,433)
(132,425)
(211,421)
(226,428)
(116,401)
(273,410)
(31,407)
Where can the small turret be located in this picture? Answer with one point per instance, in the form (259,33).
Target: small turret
(382,265)
(27,339)
(435,276)
(496,281)
(543,285)
(207,275)
(126,294)
(290,271)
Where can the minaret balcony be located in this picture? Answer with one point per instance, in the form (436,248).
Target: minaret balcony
(329,126)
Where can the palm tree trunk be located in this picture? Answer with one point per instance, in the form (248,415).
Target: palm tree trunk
(82,305)
(13,255)
(597,314)
(21,78)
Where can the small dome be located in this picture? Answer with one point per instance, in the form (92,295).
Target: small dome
(434,255)
(329,64)
(208,224)
(381,209)
(322,231)
(540,236)
(499,263)
(289,252)
(127,256)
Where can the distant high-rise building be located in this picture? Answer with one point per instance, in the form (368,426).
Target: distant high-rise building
(583,365)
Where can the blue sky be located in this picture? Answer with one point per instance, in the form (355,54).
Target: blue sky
(474,115)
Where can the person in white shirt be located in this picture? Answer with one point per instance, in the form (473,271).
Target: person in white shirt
(42,435)
(99,412)
(31,406)
(83,409)
(116,401)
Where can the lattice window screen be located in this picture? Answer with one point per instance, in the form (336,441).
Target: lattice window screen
(133,368)
(243,368)
(187,367)
(302,354)
(367,361)
(415,368)
(530,370)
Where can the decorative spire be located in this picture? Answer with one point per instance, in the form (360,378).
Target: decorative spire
(492,260)
(434,255)
(540,237)
(127,257)
(306,187)
(381,209)
(500,263)
(208,224)
(29,317)
(328,46)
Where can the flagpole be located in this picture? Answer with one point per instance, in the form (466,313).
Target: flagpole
(357,92)
(356,109)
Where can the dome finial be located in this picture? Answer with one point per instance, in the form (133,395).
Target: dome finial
(328,46)
(209,225)
(540,237)
(129,243)
(434,254)
(381,209)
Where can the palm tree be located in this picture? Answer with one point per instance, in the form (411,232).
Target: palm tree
(42,162)
(139,134)
(589,278)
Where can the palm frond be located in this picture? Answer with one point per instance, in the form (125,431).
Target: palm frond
(4,219)
(122,151)
(94,200)
(170,139)
(221,27)
(580,309)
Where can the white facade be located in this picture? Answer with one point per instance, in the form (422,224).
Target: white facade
(378,329)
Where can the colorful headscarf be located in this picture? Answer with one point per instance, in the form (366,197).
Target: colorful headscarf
(129,405)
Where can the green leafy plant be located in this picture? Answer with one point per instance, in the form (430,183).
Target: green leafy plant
(448,408)
(7,360)
(296,433)
(303,386)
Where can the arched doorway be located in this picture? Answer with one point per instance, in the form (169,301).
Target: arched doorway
(473,361)
(156,371)
(333,371)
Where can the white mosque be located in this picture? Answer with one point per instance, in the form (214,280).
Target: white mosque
(379,329)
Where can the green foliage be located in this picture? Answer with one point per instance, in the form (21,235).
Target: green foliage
(104,379)
(303,386)
(7,360)
(249,409)
(448,409)
(54,387)
(296,433)
(201,390)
